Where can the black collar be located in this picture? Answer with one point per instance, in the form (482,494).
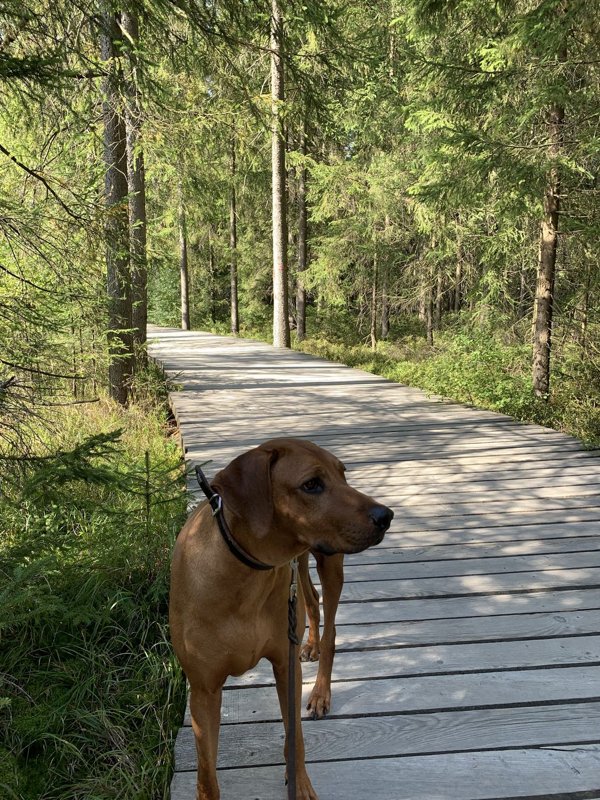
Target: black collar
(216,503)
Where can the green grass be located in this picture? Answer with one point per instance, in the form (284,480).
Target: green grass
(90,692)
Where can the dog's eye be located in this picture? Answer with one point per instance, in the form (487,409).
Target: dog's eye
(313,486)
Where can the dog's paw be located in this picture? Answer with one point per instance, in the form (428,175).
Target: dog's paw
(309,652)
(319,703)
(304,788)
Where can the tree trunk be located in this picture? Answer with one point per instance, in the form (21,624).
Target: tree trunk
(422,293)
(374,302)
(385,306)
(183,265)
(429,305)
(235,321)
(116,226)
(137,197)
(439,298)
(458,280)
(585,305)
(212,283)
(544,296)
(302,244)
(281,323)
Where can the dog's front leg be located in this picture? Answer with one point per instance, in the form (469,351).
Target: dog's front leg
(331,573)
(205,708)
(304,789)
(310,650)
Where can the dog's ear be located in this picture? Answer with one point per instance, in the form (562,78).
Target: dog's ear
(245,486)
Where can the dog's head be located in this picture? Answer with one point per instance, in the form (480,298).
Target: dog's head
(299,490)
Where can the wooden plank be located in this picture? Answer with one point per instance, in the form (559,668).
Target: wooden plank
(491,506)
(527,527)
(416,523)
(474,550)
(251,744)
(471,584)
(486,494)
(433,693)
(474,481)
(483,462)
(400,473)
(472,465)
(453,608)
(437,659)
(484,450)
(531,774)
(331,426)
(414,570)
(470,629)
(389,439)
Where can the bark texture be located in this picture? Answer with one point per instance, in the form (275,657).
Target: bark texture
(183,266)
(544,296)
(281,324)
(374,283)
(137,194)
(235,321)
(302,245)
(116,227)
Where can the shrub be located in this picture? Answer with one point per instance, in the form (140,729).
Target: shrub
(90,691)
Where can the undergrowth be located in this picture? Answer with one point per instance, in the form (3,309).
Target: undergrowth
(90,693)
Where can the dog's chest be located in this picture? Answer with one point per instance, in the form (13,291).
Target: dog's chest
(244,643)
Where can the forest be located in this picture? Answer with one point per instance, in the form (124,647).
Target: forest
(406,186)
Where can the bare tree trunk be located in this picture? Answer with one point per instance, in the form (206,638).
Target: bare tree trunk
(137,196)
(429,317)
(385,276)
(439,297)
(585,307)
(212,279)
(522,289)
(116,227)
(302,244)
(429,305)
(458,279)
(374,301)
(544,296)
(281,323)
(385,305)
(183,265)
(422,294)
(235,320)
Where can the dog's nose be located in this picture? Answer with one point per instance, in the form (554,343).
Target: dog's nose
(382,516)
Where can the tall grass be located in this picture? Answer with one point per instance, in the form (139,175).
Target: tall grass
(90,693)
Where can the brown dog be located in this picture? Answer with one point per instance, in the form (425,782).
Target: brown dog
(280,499)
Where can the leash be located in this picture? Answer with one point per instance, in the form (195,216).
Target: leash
(292,662)
(216,503)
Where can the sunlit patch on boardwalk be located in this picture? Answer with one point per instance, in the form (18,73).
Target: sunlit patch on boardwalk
(468,662)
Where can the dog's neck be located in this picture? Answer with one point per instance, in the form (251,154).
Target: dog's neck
(267,548)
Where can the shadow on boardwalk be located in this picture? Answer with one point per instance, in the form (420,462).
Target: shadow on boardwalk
(468,647)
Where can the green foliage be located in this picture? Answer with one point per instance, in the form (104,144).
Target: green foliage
(90,688)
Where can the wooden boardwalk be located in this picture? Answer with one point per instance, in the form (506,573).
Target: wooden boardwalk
(468,663)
